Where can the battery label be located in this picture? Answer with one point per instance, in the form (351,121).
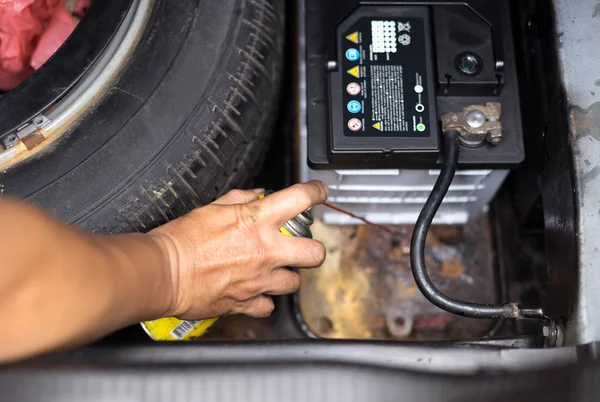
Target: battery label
(385,79)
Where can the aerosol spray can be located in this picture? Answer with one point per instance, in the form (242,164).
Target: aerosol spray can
(174,329)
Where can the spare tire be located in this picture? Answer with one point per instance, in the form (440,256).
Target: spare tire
(188,118)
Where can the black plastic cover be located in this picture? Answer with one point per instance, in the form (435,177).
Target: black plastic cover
(453,31)
(395,113)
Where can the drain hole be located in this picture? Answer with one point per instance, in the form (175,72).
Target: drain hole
(325,325)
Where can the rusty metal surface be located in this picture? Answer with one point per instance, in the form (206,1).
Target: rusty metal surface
(365,289)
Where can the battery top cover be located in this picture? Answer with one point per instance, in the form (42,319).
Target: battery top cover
(382,93)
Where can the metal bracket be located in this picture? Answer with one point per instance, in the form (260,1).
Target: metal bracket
(476,124)
(10,140)
(27,137)
(31,134)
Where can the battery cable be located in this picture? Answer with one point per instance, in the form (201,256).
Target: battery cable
(417,250)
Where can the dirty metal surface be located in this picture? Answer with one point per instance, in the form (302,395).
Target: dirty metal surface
(365,288)
(578,31)
(241,327)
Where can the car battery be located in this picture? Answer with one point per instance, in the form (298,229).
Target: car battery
(375,79)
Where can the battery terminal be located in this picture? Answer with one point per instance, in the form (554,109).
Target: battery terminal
(476,124)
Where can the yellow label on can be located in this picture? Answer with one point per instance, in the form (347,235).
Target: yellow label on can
(174,329)
(285,232)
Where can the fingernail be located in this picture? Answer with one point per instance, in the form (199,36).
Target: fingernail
(258,190)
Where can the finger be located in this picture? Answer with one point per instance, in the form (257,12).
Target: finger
(282,282)
(283,205)
(239,197)
(298,252)
(259,307)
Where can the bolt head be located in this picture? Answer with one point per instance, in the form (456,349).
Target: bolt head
(9,140)
(546,330)
(494,136)
(476,118)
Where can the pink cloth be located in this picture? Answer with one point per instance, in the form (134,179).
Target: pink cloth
(30,32)
(81,7)
(59,28)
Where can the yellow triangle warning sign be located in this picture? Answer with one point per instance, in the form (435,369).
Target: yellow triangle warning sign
(354,71)
(353,37)
(377,126)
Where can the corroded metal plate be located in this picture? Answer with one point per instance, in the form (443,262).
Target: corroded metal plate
(365,289)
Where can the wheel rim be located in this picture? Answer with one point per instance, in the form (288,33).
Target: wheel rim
(26,131)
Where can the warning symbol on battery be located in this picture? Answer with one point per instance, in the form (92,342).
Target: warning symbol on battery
(353,37)
(354,71)
(354,124)
(377,126)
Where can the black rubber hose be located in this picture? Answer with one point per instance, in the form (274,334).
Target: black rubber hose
(417,250)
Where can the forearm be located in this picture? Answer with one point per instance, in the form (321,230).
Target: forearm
(61,286)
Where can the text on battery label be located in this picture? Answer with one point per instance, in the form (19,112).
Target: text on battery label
(385,92)
(387,97)
(383,34)
(184,328)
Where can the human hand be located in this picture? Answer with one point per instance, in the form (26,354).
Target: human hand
(229,257)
